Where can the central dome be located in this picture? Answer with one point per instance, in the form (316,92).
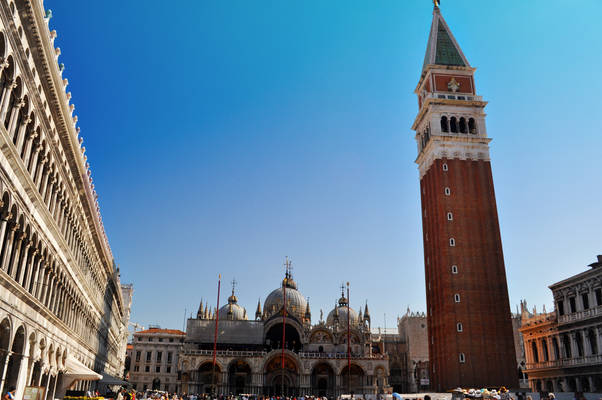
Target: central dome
(339,313)
(295,301)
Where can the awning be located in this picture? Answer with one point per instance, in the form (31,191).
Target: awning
(77,370)
(110,380)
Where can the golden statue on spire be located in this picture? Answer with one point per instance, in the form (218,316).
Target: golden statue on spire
(436,3)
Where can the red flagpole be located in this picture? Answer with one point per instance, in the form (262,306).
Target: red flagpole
(219,284)
(348,345)
(283,328)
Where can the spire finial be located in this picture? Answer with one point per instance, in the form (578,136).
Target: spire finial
(436,3)
(233,285)
(288,266)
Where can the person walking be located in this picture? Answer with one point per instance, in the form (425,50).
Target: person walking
(10,395)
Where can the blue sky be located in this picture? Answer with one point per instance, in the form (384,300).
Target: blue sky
(224,136)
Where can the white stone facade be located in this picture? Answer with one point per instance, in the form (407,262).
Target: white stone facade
(155,358)
(563,348)
(61,305)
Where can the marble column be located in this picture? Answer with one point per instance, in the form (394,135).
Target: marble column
(14,117)
(29,141)
(9,247)
(573,342)
(14,262)
(6,97)
(24,265)
(21,135)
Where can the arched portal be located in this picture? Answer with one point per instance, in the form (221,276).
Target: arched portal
(4,343)
(292,341)
(156,384)
(239,377)
(206,379)
(323,380)
(352,380)
(14,363)
(281,381)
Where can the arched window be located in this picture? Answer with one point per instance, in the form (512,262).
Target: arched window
(453,125)
(463,125)
(462,358)
(457,298)
(454,269)
(445,168)
(452,242)
(444,124)
(534,351)
(472,126)
(459,327)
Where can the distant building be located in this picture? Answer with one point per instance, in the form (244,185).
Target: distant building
(564,347)
(155,358)
(469,318)
(413,331)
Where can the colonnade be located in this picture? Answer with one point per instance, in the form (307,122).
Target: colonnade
(573,344)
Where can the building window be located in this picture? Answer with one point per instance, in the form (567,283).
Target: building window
(158,369)
(572,304)
(462,358)
(169,357)
(444,166)
(444,124)
(459,327)
(598,296)
(170,340)
(136,368)
(457,298)
(137,356)
(168,370)
(150,339)
(585,300)
(560,306)
(148,356)
(447,191)
(454,269)
(160,339)
(159,356)
(452,242)
(450,216)
(147,369)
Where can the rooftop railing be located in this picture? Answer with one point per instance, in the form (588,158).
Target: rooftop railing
(580,315)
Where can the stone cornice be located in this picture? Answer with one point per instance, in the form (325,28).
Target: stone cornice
(452,147)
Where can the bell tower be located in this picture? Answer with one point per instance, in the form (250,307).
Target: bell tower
(469,319)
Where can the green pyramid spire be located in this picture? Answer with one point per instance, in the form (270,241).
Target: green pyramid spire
(442,48)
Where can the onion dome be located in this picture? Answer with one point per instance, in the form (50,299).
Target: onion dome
(232,311)
(295,301)
(339,313)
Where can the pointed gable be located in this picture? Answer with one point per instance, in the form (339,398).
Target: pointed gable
(442,48)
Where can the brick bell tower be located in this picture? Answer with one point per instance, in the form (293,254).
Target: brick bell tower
(469,319)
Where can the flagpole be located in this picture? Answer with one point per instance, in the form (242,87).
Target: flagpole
(285,282)
(348,345)
(219,284)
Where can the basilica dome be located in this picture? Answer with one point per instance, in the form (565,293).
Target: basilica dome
(232,311)
(296,303)
(339,313)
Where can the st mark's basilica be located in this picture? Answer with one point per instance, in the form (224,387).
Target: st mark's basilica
(249,351)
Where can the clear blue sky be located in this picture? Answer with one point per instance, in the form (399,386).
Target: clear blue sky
(225,135)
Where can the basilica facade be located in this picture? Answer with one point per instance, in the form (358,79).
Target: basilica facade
(250,357)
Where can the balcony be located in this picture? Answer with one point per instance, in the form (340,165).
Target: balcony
(580,315)
(566,362)
(452,96)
